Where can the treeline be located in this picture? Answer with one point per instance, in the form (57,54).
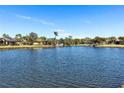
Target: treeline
(32,38)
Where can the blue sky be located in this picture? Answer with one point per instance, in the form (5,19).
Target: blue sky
(78,21)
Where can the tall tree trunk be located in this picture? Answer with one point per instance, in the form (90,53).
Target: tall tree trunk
(55,41)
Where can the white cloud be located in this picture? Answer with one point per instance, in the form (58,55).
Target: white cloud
(44,22)
(24,17)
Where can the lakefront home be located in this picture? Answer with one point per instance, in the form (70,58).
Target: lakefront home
(7,41)
(38,42)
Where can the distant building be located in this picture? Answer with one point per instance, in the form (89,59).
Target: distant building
(117,41)
(38,42)
(7,41)
(60,45)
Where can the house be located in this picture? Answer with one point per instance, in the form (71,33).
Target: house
(7,41)
(117,41)
(38,42)
(60,45)
(1,41)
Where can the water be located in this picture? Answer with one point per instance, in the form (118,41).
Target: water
(62,67)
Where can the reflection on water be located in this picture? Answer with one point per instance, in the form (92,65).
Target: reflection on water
(62,67)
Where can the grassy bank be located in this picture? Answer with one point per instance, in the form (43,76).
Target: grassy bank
(82,45)
(104,46)
(50,46)
(111,46)
(25,46)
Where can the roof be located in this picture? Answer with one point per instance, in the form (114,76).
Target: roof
(38,40)
(8,39)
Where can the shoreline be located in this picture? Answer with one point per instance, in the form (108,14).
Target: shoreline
(50,46)
(103,46)
(25,46)
(111,46)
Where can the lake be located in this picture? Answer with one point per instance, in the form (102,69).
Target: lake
(67,67)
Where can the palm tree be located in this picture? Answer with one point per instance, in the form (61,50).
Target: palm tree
(56,34)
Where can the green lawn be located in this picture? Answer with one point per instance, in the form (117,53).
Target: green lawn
(24,46)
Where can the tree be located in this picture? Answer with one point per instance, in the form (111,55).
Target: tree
(76,41)
(87,40)
(99,40)
(6,35)
(26,39)
(71,40)
(32,37)
(82,41)
(68,41)
(18,37)
(111,40)
(56,34)
(121,38)
(43,40)
(70,37)
(61,41)
(51,41)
